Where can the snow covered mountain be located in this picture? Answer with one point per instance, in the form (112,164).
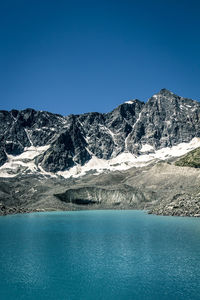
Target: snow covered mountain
(133,134)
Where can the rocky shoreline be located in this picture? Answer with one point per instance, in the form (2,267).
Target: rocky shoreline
(183,207)
(6,210)
(168,210)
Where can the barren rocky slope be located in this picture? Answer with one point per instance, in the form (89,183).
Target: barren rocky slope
(161,188)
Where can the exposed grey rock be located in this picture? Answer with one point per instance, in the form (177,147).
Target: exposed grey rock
(3,156)
(166,120)
(114,195)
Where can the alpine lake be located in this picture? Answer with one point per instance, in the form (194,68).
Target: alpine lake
(95,255)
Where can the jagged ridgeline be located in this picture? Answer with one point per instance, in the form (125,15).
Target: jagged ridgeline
(62,142)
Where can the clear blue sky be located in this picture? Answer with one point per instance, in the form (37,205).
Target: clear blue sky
(80,56)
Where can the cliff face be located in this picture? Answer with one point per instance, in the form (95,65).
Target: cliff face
(61,142)
(119,195)
(166,120)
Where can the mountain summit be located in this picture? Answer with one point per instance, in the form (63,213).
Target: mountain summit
(165,92)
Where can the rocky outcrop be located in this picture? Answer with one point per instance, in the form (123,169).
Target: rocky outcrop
(122,195)
(7,210)
(67,150)
(183,205)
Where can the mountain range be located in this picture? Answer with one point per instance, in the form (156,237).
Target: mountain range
(129,158)
(50,144)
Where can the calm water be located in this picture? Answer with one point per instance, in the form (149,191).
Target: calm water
(99,255)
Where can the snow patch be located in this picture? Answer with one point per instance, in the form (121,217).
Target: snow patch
(28,136)
(147,148)
(23,162)
(30,152)
(178,150)
(129,102)
(155,96)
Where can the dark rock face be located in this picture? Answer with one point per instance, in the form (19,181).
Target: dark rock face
(164,120)
(3,156)
(67,150)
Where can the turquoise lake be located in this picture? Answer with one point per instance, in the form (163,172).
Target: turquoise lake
(99,255)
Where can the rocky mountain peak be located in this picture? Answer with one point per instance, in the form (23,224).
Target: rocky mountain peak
(164,95)
(165,92)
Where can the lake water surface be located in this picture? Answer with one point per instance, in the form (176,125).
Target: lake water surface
(99,255)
